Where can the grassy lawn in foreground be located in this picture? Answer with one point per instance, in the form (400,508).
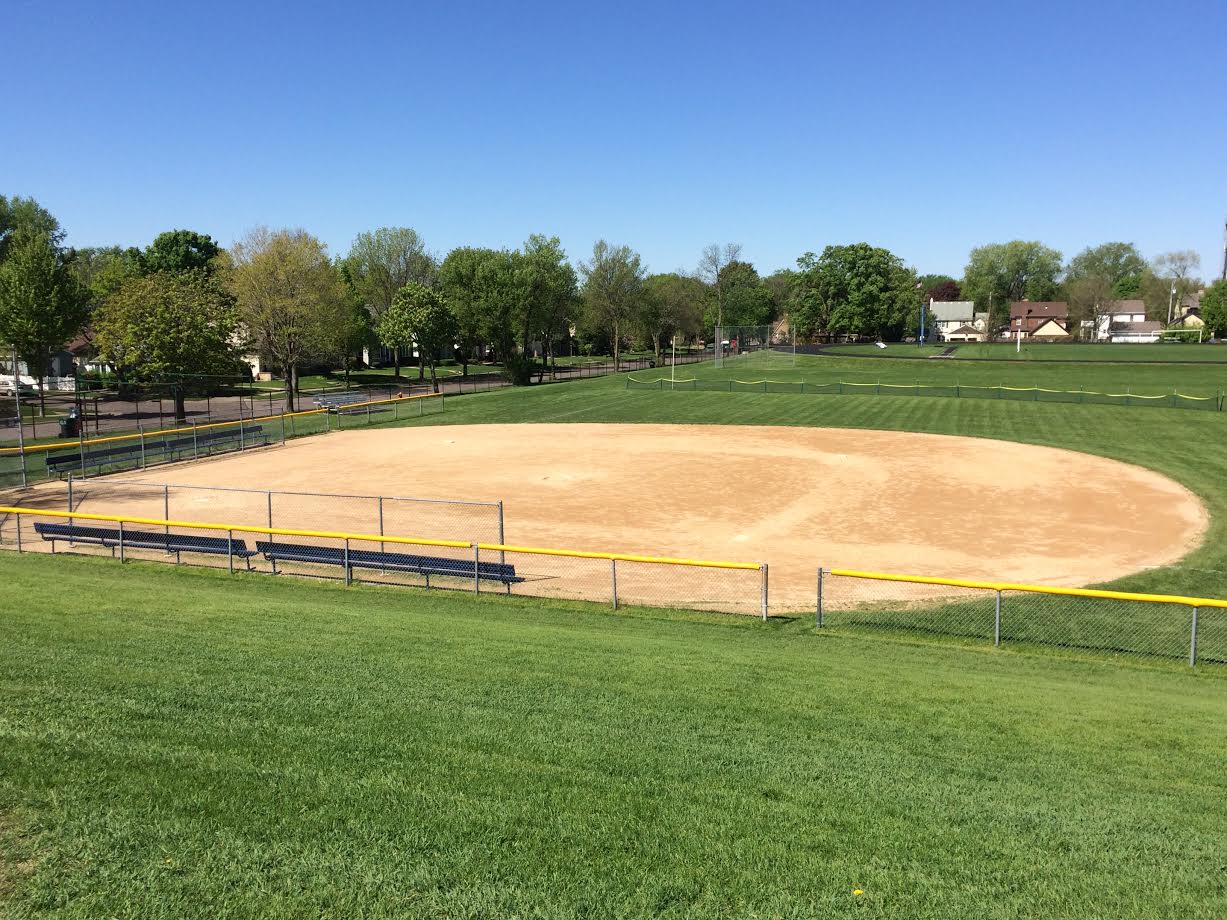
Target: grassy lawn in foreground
(183,743)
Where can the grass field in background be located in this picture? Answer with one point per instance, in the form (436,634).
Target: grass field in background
(1005,351)
(182,743)
(1192,379)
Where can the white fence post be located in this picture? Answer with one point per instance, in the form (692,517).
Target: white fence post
(1193,642)
(763,569)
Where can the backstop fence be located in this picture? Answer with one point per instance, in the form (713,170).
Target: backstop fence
(773,344)
(1173,400)
(381,558)
(1155,626)
(85,457)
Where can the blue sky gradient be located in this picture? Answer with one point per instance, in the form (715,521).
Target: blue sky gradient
(928,129)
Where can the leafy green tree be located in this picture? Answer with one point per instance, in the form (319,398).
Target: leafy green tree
(42,304)
(1119,265)
(712,264)
(613,291)
(746,300)
(1170,271)
(357,332)
(940,287)
(673,304)
(1214,309)
(780,284)
(19,213)
(291,300)
(553,298)
(1001,273)
(103,270)
(180,251)
(856,289)
(169,326)
(459,279)
(419,316)
(383,262)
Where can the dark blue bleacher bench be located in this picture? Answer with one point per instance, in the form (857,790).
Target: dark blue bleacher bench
(174,448)
(110,537)
(398,562)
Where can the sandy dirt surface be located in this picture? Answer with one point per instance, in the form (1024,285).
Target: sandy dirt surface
(795,498)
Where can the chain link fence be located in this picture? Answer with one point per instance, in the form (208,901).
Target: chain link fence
(1115,623)
(445,519)
(1206,402)
(384,558)
(22,465)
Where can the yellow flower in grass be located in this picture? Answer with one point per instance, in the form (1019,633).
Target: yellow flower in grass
(857,892)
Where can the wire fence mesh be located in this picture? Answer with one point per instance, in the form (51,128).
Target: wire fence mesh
(24,464)
(445,519)
(389,559)
(1173,629)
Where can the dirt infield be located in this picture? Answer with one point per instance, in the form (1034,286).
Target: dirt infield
(795,498)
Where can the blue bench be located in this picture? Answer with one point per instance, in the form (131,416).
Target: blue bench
(398,562)
(156,446)
(113,537)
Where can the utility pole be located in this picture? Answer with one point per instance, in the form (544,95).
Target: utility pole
(1223,275)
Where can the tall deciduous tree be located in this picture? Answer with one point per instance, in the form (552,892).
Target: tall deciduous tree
(712,264)
(613,289)
(383,262)
(169,325)
(1176,270)
(459,278)
(747,301)
(180,251)
(42,304)
(1214,309)
(419,316)
(673,304)
(1001,273)
(857,289)
(291,299)
(104,269)
(19,213)
(1118,264)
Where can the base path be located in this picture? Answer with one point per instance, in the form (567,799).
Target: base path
(795,498)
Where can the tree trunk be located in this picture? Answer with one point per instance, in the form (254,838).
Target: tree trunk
(422,363)
(617,351)
(291,372)
(42,395)
(396,361)
(180,404)
(434,380)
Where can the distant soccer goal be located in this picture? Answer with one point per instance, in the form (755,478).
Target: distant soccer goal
(771,345)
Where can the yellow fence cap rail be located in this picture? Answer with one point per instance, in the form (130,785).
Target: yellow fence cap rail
(1033,589)
(620,557)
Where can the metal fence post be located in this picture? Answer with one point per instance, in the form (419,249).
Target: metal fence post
(121,541)
(166,509)
(502,541)
(242,441)
(230,550)
(142,437)
(1193,642)
(348,578)
(613,577)
(282,421)
(997,621)
(379,500)
(818,619)
(195,443)
(476,568)
(70,504)
(763,568)
(18,517)
(270,509)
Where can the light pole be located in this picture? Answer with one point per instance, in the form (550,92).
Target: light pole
(921,340)
(1171,301)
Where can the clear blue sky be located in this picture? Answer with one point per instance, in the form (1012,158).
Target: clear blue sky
(926,128)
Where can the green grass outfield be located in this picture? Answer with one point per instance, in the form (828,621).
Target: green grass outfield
(1003,351)
(178,743)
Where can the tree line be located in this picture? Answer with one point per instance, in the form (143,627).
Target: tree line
(184,307)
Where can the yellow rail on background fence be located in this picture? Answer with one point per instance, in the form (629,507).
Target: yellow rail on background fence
(1033,589)
(377,538)
(110,439)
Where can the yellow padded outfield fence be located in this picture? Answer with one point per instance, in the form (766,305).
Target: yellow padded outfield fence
(620,578)
(1175,400)
(1084,619)
(91,456)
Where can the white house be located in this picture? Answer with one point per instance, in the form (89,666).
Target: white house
(957,321)
(1126,323)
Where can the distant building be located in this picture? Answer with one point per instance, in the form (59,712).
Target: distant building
(1039,320)
(1126,322)
(957,321)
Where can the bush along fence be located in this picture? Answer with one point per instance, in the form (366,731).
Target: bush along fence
(1172,400)
(1155,626)
(615,578)
(86,457)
